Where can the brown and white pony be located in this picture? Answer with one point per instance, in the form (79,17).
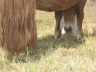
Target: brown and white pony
(68,12)
(66,21)
(73,18)
(17,25)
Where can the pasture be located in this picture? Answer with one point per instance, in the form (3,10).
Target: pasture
(51,55)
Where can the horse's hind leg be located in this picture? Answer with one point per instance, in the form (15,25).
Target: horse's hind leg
(80,16)
(57,32)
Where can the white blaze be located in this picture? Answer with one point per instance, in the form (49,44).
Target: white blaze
(62,25)
(72,25)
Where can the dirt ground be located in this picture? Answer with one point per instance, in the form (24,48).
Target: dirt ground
(90,11)
(89,21)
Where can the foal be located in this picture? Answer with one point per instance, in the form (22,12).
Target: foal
(66,21)
(72,18)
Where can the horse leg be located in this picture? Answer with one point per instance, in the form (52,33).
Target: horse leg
(57,31)
(80,16)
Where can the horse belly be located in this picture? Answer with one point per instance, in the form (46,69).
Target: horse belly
(55,5)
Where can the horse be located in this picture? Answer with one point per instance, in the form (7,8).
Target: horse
(65,9)
(66,22)
(17,25)
(71,17)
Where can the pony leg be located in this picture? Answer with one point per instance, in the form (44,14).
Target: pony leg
(80,16)
(57,31)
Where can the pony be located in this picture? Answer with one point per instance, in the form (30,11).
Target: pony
(17,25)
(65,9)
(73,18)
(66,22)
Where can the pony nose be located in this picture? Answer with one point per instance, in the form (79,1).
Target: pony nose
(68,29)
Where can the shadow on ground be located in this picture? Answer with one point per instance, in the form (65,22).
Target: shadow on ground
(48,44)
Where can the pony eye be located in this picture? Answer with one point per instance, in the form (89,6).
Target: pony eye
(74,14)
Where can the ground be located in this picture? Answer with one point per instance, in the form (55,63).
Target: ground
(50,55)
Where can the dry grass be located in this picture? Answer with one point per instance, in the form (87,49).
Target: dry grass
(65,55)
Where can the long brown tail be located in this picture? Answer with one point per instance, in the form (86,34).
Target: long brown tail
(17,25)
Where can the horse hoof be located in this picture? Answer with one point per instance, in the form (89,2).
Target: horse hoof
(81,40)
(58,37)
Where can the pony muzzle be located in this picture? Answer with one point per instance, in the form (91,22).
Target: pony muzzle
(68,30)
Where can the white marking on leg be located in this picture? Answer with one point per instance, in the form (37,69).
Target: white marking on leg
(62,24)
(73,26)
(55,33)
(79,37)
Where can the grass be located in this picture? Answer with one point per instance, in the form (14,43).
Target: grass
(50,55)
